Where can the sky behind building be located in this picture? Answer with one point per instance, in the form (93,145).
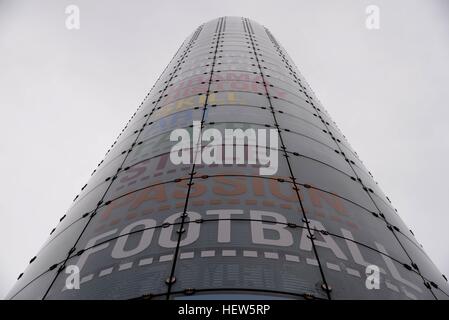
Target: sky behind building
(66,95)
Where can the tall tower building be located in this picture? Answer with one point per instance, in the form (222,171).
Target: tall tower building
(231,181)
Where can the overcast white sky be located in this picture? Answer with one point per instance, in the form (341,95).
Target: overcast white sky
(65,96)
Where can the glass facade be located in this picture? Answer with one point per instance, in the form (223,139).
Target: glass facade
(145,227)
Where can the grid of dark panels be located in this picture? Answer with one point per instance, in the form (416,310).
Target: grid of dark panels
(145,228)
